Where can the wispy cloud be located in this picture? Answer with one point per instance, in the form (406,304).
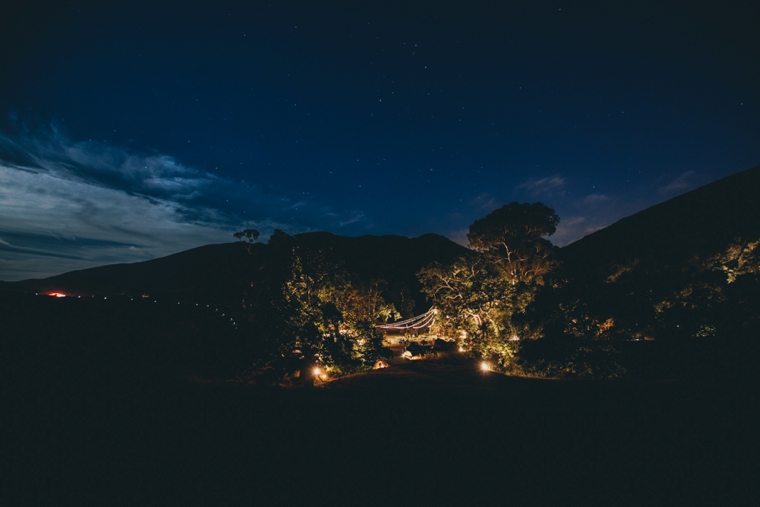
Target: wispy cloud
(485,202)
(352,219)
(93,204)
(50,152)
(568,230)
(576,227)
(679,185)
(595,199)
(50,217)
(544,187)
(459,236)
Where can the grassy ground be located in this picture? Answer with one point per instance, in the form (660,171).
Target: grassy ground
(94,420)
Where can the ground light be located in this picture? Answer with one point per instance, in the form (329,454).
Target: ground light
(319,374)
(484,366)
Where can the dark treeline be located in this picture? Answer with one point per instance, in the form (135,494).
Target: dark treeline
(670,292)
(97,340)
(94,414)
(514,301)
(696,318)
(94,411)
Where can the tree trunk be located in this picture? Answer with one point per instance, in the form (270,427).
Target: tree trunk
(307,372)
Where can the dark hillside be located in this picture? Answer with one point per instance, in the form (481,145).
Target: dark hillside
(219,273)
(701,222)
(396,259)
(213,272)
(98,415)
(386,256)
(683,275)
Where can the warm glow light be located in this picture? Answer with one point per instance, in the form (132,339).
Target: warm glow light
(461,349)
(317,371)
(484,366)
(57,294)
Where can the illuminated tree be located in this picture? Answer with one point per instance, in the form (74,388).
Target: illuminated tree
(467,294)
(314,315)
(472,297)
(513,236)
(708,317)
(702,314)
(365,301)
(740,258)
(478,296)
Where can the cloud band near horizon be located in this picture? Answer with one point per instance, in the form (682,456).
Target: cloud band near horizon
(73,205)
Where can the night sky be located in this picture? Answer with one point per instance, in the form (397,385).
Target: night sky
(132,130)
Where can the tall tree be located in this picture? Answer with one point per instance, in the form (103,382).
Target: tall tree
(471,296)
(513,236)
(312,313)
(251,235)
(478,296)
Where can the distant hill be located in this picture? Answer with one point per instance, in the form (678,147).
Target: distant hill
(219,272)
(701,222)
(211,269)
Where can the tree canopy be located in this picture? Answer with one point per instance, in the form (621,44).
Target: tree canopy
(478,296)
(250,234)
(512,226)
(513,236)
(312,313)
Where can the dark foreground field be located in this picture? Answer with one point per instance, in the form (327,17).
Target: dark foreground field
(97,412)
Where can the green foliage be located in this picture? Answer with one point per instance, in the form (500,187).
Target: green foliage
(513,237)
(468,294)
(739,259)
(479,296)
(568,356)
(403,300)
(312,313)
(709,318)
(697,315)
(567,334)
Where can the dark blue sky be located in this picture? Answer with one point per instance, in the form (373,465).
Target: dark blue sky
(131,130)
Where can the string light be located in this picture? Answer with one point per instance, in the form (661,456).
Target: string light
(427,319)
